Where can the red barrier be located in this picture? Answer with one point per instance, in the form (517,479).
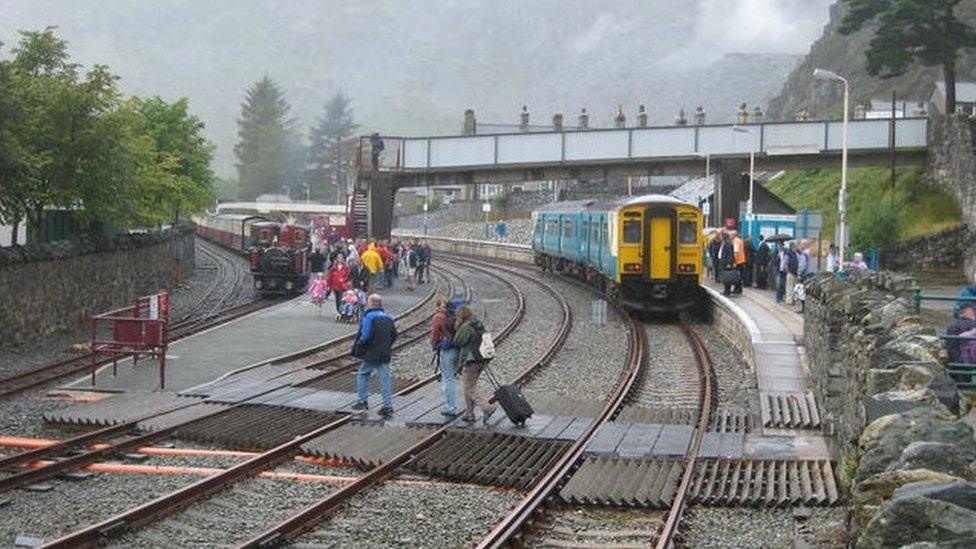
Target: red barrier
(133,332)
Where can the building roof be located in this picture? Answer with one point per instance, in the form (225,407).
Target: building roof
(695,190)
(965,91)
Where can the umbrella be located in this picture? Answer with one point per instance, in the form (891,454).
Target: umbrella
(779,238)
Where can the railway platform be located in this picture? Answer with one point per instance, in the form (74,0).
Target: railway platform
(248,341)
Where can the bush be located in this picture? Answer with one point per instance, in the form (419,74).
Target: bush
(877,226)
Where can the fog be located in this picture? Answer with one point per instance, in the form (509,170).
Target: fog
(413,66)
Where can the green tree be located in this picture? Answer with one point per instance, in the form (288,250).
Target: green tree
(269,156)
(908,31)
(16,162)
(332,147)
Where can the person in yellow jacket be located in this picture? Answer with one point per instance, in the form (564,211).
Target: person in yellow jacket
(371,259)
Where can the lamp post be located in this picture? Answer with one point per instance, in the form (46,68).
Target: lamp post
(752,170)
(824,74)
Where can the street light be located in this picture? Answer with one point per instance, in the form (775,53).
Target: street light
(823,74)
(752,171)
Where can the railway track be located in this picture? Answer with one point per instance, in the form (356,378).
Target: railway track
(292,528)
(124,436)
(214,308)
(180,499)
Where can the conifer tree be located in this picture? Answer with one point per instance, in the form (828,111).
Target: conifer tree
(268,160)
(332,147)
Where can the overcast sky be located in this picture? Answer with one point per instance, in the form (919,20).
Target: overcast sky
(412,65)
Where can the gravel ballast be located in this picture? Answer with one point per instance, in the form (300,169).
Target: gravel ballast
(399,515)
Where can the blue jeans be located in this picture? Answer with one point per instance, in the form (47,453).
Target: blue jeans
(447,358)
(780,286)
(386,382)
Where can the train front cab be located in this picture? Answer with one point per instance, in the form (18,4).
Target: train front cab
(659,259)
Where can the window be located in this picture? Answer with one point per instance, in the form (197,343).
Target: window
(567,229)
(595,234)
(584,231)
(552,228)
(688,233)
(538,229)
(632,231)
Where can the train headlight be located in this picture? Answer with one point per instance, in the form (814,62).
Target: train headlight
(632,267)
(288,285)
(686,268)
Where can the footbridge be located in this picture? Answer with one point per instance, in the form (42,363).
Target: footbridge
(609,153)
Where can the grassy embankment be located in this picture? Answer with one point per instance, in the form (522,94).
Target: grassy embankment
(879,216)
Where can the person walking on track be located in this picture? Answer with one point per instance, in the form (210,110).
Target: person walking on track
(374,346)
(442,343)
(467,339)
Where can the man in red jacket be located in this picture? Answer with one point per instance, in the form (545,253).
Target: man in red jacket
(442,343)
(388,260)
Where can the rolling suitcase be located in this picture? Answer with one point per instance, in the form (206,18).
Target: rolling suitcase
(511,399)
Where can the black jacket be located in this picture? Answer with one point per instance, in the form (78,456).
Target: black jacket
(376,335)
(956,327)
(359,277)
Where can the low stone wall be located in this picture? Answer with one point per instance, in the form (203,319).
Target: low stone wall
(735,325)
(53,287)
(877,373)
(507,252)
(941,251)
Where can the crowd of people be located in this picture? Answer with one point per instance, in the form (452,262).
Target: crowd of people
(455,339)
(349,270)
(780,265)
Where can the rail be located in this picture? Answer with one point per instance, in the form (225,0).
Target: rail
(963,372)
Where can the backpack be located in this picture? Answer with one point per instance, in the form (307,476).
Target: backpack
(482,344)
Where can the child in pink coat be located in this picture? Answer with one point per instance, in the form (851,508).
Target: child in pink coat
(319,290)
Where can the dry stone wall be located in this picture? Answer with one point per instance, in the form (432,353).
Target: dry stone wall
(880,377)
(53,287)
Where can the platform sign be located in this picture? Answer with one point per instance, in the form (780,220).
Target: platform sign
(808,224)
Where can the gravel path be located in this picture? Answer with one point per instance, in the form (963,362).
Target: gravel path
(398,515)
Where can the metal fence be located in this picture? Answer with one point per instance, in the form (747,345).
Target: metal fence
(963,373)
(778,138)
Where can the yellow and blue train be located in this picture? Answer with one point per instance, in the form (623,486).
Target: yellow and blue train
(642,252)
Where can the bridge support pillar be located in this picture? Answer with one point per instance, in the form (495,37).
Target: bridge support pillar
(382,196)
(730,190)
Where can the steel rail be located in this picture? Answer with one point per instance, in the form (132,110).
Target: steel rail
(704,363)
(169,503)
(510,527)
(77,461)
(306,519)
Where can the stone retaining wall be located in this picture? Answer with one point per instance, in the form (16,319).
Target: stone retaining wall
(53,287)
(877,372)
(941,251)
(951,166)
(507,252)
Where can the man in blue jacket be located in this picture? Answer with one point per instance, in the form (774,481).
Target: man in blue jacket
(374,345)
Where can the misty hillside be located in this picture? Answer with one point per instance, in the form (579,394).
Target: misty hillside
(845,56)
(413,67)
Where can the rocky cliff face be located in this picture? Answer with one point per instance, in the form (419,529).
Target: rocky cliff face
(845,56)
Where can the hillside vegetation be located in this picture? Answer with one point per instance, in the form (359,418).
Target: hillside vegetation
(879,216)
(845,55)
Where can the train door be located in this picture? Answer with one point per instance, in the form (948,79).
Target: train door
(659,244)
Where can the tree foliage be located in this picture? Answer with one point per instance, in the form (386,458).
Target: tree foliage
(70,140)
(909,31)
(270,157)
(332,147)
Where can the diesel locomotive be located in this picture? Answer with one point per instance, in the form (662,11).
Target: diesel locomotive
(643,252)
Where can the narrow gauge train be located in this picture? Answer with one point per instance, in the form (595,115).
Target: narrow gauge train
(642,252)
(276,252)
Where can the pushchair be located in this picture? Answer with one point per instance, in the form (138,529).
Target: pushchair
(351,306)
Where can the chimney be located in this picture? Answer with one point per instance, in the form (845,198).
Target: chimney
(700,116)
(584,120)
(470,126)
(524,119)
(557,122)
(860,112)
(742,115)
(641,116)
(681,120)
(619,119)
(757,115)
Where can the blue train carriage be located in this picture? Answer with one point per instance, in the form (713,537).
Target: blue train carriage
(643,252)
